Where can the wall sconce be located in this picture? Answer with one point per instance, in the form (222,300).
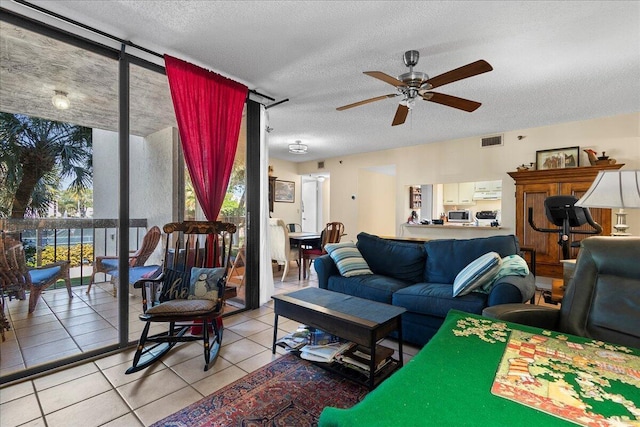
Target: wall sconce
(614,189)
(298,148)
(60,100)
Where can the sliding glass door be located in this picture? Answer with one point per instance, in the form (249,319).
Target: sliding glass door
(58,101)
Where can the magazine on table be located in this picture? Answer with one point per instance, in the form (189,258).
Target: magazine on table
(306,335)
(295,340)
(359,358)
(324,353)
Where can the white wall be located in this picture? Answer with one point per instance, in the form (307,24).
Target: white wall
(151,171)
(377,216)
(105,174)
(289,212)
(464,160)
(151,193)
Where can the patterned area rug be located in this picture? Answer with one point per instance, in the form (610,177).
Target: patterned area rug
(287,392)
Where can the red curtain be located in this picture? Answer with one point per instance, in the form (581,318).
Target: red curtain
(208,109)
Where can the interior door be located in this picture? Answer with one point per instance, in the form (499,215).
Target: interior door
(309,208)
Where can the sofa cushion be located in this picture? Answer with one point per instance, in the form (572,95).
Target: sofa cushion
(447,257)
(436,299)
(348,259)
(400,260)
(370,286)
(477,273)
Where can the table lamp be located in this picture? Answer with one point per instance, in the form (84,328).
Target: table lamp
(614,189)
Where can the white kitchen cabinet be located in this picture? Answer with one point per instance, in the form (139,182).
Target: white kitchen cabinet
(465,193)
(488,186)
(450,193)
(458,193)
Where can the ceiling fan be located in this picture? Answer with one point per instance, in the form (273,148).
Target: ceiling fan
(414,84)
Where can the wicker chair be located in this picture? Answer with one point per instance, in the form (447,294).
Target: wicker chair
(109,264)
(16,278)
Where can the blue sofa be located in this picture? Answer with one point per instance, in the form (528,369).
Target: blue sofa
(420,276)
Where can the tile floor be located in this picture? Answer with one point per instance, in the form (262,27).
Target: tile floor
(61,327)
(98,393)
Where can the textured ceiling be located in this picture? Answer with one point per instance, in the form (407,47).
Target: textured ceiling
(553,62)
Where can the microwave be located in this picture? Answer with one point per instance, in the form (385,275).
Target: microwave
(459,215)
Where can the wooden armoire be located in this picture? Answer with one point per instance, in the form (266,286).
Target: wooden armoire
(532,188)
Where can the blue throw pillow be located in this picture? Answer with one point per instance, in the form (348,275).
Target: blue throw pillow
(478,273)
(206,283)
(348,259)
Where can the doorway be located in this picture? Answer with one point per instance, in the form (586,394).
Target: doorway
(313,210)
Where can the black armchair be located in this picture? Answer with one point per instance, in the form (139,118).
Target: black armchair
(601,302)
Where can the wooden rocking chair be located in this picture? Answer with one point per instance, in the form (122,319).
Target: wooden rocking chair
(189,295)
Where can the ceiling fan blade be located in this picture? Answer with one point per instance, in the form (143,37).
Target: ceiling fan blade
(385,78)
(401,115)
(451,101)
(463,72)
(366,101)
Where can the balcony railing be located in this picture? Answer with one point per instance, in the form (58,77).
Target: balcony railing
(77,240)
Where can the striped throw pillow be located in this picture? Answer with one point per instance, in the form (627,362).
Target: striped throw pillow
(348,259)
(477,273)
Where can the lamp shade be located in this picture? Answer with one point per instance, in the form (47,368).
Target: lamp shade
(613,189)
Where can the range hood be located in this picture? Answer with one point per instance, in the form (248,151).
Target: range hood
(487,195)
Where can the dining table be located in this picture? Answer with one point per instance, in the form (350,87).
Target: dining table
(303,239)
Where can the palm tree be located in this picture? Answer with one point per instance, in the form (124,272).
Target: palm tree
(36,155)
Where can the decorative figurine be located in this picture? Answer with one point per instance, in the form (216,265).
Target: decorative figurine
(591,154)
(601,160)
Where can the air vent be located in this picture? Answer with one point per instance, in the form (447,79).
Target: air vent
(320,165)
(491,141)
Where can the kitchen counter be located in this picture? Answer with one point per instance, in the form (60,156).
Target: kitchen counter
(453,226)
(449,231)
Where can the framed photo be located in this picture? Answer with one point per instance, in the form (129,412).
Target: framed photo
(558,158)
(285,191)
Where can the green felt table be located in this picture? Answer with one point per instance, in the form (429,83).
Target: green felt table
(449,382)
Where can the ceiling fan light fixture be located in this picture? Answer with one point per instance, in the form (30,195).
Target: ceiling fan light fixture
(298,148)
(426,86)
(415,83)
(60,100)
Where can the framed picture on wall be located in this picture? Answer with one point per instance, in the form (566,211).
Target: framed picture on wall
(285,191)
(558,158)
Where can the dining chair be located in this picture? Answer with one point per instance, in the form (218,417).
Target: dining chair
(294,228)
(332,233)
(281,250)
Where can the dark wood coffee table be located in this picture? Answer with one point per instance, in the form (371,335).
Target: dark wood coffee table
(358,320)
